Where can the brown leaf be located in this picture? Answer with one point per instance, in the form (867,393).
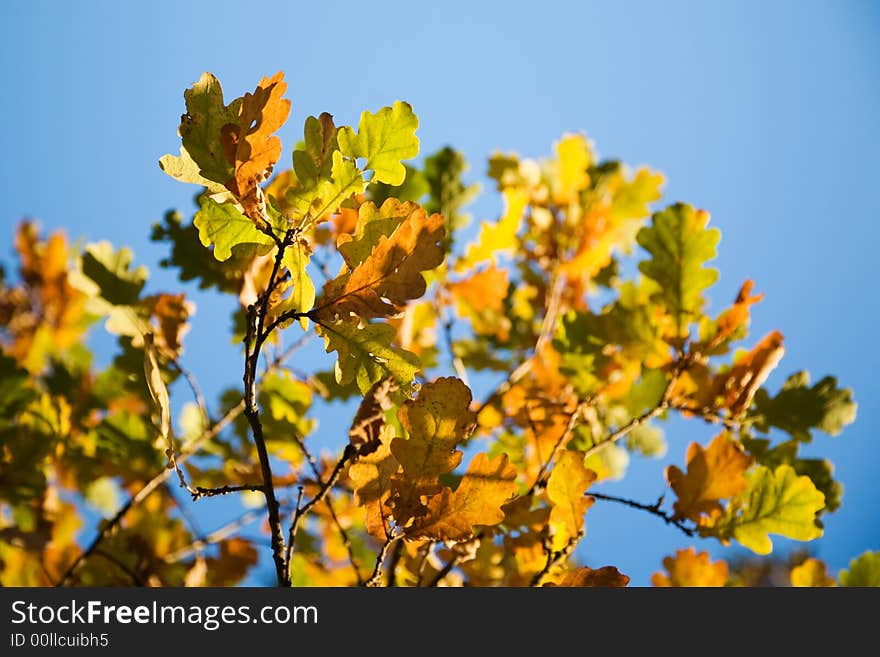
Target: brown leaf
(713,474)
(691,568)
(438,420)
(249,144)
(607,576)
(171,313)
(485,487)
(366,428)
(391,275)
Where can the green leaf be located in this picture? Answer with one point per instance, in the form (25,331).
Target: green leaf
(314,160)
(193,260)
(229,231)
(200,127)
(15,393)
(778,502)
(372,224)
(443,173)
(365,354)
(680,244)
(296,258)
(330,193)
(797,408)
(383,139)
(864,570)
(413,188)
(820,471)
(111,274)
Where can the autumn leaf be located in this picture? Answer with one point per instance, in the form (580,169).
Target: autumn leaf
(371,478)
(680,244)
(249,144)
(691,568)
(437,421)
(477,501)
(498,238)
(713,474)
(739,385)
(568,482)
(733,321)
(607,577)
(573,158)
(373,224)
(811,573)
(200,129)
(390,276)
(480,298)
(383,139)
(778,502)
(171,313)
(317,203)
(158,390)
(369,420)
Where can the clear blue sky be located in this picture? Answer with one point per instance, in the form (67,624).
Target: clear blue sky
(765,114)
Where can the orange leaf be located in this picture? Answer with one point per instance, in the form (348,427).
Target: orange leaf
(371,480)
(811,573)
(485,487)
(391,275)
(249,144)
(749,372)
(607,576)
(738,314)
(713,474)
(691,568)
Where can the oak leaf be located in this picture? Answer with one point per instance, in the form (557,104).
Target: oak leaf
(383,139)
(390,276)
(607,576)
(691,568)
(713,474)
(864,570)
(250,145)
(477,501)
(566,486)
(437,421)
(811,573)
(775,501)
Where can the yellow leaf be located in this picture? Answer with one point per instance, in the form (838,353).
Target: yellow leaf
(811,573)
(499,237)
(713,474)
(157,388)
(485,487)
(566,486)
(573,158)
(691,568)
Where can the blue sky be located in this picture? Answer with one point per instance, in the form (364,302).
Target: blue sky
(765,114)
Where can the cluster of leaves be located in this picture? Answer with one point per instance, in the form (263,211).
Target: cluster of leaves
(589,360)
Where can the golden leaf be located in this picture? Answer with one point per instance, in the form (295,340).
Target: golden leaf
(438,420)
(607,576)
(391,275)
(691,568)
(713,474)
(566,486)
(485,487)
(812,573)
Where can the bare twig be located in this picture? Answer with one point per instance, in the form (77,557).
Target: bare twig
(375,579)
(654,509)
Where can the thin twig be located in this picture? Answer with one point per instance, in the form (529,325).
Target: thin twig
(654,509)
(375,579)
(186,452)
(201,491)
(555,557)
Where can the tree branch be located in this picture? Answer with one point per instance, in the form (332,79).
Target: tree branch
(653,509)
(375,579)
